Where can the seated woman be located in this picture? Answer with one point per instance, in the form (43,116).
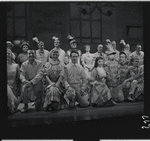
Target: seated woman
(100,94)
(54,73)
(12,82)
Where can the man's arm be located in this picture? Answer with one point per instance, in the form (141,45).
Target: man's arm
(39,74)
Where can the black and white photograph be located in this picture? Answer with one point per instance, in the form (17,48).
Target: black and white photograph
(76,68)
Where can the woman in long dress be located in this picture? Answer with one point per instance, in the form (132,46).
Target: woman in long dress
(100,93)
(54,73)
(12,82)
(87,61)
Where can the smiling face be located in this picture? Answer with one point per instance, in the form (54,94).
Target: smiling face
(31,54)
(100,62)
(122,58)
(41,45)
(100,48)
(87,48)
(56,43)
(55,55)
(74,57)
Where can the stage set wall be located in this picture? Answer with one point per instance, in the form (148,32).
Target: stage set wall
(45,19)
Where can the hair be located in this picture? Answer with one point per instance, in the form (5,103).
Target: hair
(138,45)
(74,51)
(32,50)
(98,58)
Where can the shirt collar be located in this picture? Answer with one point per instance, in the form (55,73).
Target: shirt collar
(138,53)
(34,63)
(73,64)
(41,51)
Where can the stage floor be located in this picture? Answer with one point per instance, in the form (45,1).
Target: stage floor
(70,115)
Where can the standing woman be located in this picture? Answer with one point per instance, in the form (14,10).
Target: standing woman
(87,61)
(100,93)
(22,57)
(12,82)
(54,72)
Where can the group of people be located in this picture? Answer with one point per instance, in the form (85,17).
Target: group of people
(56,79)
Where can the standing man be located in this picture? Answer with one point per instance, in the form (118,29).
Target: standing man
(138,53)
(60,51)
(42,54)
(100,53)
(75,80)
(73,46)
(31,75)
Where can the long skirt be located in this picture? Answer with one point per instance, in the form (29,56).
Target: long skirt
(100,94)
(52,94)
(12,102)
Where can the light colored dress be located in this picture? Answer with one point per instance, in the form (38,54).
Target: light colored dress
(12,78)
(53,70)
(88,63)
(100,93)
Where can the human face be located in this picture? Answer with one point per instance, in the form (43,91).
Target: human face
(73,45)
(31,54)
(9,54)
(55,56)
(9,46)
(100,62)
(41,45)
(100,48)
(57,43)
(138,48)
(136,62)
(122,58)
(127,47)
(87,48)
(74,57)
(25,48)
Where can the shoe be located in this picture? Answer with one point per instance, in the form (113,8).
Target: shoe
(24,110)
(71,104)
(94,105)
(130,98)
